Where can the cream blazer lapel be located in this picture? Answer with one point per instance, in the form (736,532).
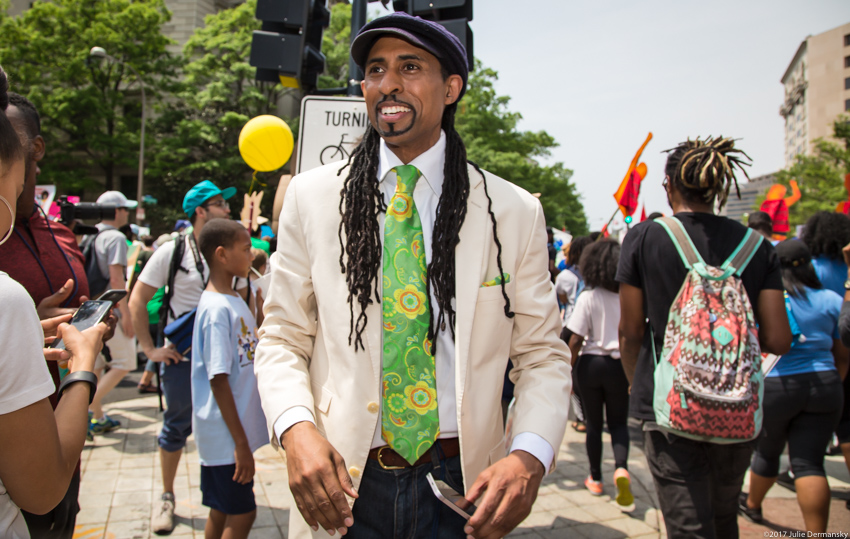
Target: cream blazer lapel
(470,255)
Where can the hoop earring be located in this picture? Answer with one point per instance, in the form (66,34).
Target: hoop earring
(12,213)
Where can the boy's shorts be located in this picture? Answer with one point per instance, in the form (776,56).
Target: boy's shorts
(220,492)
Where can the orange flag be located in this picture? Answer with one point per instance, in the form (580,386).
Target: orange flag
(627,194)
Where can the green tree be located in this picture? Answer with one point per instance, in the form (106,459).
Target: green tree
(820,176)
(91,111)
(198,132)
(493,141)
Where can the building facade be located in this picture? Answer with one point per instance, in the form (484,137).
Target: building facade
(739,209)
(817,90)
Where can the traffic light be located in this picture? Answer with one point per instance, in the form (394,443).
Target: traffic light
(453,14)
(288,48)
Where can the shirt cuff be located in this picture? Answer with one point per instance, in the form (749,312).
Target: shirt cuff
(294,415)
(531,443)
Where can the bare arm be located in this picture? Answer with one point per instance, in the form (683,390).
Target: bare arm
(774,331)
(223,395)
(576,342)
(138,306)
(40,447)
(118,282)
(632,327)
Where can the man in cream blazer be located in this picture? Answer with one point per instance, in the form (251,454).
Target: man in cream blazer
(320,361)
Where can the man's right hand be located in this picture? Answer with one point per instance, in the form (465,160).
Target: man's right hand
(165,354)
(318,479)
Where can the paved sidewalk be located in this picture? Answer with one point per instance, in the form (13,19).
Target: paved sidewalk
(121,485)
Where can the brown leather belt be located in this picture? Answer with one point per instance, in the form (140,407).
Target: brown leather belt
(390,460)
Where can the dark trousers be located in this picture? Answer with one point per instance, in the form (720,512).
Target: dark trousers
(58,523)
(802,410)
(399,504)
(601,382)
(698,483)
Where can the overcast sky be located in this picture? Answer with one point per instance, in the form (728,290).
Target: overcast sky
(600,75)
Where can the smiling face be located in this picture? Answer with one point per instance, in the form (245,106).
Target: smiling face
(406,95)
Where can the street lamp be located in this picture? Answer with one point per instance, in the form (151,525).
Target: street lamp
(100,52)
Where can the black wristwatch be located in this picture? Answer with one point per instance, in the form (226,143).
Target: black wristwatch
(79,376)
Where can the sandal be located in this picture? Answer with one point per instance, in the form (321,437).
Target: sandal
(147,388)
(578,426)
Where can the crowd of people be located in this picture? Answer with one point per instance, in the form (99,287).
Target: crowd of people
(371,342)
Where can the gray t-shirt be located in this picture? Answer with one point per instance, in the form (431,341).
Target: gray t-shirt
(110,246)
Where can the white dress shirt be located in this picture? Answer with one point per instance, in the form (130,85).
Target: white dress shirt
(426,196)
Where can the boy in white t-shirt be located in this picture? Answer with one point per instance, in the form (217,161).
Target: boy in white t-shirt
(227,419)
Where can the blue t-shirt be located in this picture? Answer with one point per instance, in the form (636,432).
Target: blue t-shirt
(223,342)
(831,272)
(817,316)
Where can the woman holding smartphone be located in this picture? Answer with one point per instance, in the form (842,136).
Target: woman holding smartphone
(39,447)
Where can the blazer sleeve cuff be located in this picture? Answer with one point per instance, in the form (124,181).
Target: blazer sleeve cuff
(294,415)
(529,442)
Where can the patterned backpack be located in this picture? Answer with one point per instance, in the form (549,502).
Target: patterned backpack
(708,380)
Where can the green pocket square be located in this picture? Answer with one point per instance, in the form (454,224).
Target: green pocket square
(506,277)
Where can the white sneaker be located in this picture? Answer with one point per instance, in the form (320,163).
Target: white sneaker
(163,522)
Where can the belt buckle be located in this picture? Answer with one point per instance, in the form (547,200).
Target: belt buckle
(384,466)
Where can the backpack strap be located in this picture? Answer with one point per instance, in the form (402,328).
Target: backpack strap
(173,268)
(742,256)
(687,251)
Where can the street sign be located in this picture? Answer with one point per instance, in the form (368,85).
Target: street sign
(331,127)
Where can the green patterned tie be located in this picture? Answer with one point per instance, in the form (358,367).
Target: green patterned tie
(410,420)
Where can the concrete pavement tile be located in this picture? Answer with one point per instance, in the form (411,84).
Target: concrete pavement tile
(630,526)
(136,473)
(573,516)
(89,531)
(265,518)
(597,531)
(132,498)
(267,533)
(95,498)
(281,516)
(275,486)
(139,462)
(93,515)
(603,511)
(135,512)
(129,529)
(128,484)
(582,497)
(651,518)
(552,502)
(97,464)
(539,520)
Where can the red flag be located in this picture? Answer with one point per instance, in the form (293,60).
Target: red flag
(628,200)
(627,182)
(778,211)
(642,214)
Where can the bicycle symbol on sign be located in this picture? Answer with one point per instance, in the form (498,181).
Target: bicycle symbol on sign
(336,152)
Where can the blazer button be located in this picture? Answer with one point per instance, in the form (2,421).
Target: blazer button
(372,407)
(354,471)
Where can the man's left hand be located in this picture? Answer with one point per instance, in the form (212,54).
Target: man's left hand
(509,487)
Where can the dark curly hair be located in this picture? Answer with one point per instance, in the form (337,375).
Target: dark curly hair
(10,143)
(826,233)
(577,247)
(599,265)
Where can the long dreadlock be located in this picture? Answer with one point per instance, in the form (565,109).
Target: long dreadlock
(705,169)
(362,202)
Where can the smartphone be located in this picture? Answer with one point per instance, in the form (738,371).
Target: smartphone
(115,295)
(88,315)
(451,497)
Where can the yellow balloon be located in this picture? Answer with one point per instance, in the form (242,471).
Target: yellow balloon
(266,143)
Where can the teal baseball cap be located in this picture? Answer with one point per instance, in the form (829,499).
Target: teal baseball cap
(202,192)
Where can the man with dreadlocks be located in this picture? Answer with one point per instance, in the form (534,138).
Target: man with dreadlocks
(387,366)
(698,483)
